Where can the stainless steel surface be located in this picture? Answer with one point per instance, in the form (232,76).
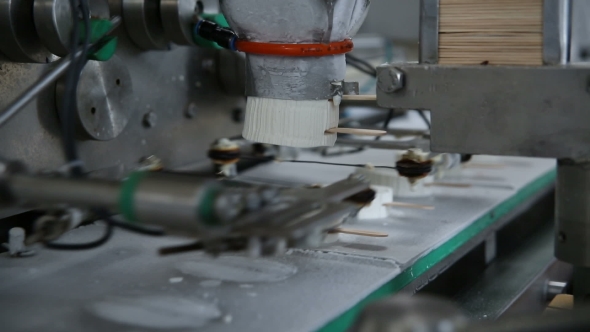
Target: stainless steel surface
(164,83)
(527,111)
(144,25)
(350,88)
(178,16)
(390,80)
(555,288)
(45,191)
(301,21)
(104,99)
(580,34)
(170,201)
(506,279)
(556,31)
(428,52)
(296,78)
(53,21)
(300,291)
(46,80)
(572,234)
(20,41)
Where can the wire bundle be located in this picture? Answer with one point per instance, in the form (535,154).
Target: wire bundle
(80,9)
(499,32)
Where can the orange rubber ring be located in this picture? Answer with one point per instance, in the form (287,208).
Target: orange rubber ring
(333,48)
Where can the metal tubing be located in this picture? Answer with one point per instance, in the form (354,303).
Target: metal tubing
(429,19)
(556,31)
(75,192)
(44,81)
(169,200)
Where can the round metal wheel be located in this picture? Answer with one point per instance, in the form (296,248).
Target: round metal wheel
(178,17)
(18,37)
(104,99)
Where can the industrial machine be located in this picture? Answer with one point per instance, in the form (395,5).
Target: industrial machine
(129,200)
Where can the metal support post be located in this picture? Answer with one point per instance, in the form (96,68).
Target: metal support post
(572,242)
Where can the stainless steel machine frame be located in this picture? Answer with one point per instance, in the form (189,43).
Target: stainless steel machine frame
(541,111)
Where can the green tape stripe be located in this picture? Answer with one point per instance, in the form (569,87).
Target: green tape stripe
(205,208)
(127,195)
(344,321)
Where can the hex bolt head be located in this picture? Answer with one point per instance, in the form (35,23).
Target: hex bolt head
(390,80)
(191,111)
(150,119)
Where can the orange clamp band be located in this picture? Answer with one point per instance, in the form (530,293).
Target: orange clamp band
(333,48)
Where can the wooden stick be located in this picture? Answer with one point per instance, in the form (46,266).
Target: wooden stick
(409,205)
(356,131)
(491,32)
(360,97)
(358,232)
(448,184)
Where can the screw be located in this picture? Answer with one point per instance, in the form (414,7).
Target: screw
(561,237)
(150,119)
(191,111)
(390,80)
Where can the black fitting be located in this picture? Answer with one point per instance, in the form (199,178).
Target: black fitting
(224,37)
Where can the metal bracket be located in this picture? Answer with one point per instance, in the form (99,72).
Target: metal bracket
(500,110)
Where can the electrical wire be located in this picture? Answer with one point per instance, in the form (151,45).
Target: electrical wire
(314,162)
(108,233)
(68,132)
(361,65)
(424,118)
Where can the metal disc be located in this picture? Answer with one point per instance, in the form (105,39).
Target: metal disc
(104,99)
(143,24)
(53,20)
(177,18)
(18,37)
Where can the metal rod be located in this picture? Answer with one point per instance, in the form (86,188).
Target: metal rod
(44,81)
(76,192)
(386,145)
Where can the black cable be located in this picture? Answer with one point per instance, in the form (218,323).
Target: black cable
(317,162)
(423,116)
(70,89)
(151,231)
(361,69)
(386,122)
(361,65)
(83,246)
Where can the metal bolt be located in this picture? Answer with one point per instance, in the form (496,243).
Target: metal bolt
(191,111)
(390,80)
(150,119)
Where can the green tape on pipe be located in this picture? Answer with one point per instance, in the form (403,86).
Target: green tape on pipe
(127,195)
(205,207)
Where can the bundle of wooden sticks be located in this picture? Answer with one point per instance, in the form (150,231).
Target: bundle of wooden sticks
(497,32)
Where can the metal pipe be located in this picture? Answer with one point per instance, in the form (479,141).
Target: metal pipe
(45,81)
(75,192)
